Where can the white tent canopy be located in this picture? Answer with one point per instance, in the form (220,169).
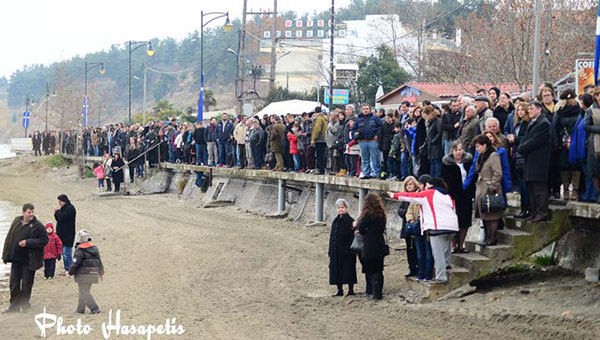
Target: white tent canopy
(294,106)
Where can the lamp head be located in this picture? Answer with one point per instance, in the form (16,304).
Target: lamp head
(228,26)
(102,70)
(150,51)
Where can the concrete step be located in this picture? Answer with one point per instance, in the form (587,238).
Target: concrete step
(473,262)
(517,224)
(457,277)
(511,236)
(497,253)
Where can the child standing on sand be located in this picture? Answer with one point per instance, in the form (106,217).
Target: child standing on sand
(88,269)
(99,172)
(52,252)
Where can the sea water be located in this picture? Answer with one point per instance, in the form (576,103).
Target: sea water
(7,213)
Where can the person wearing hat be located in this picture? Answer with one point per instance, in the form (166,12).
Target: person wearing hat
(65,215)
(482,107)
(52,252)
(566,113)
(24,249)
(88,269)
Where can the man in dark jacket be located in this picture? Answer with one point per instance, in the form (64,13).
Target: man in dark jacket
(200,144)
(368,127)
(65,214)
(257,135)
(224,138)
(535,147)
(385,143)
(450,125)
(24,249)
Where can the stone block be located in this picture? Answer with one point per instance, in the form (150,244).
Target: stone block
(591,274)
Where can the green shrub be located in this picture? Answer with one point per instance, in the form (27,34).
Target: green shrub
(56,161)
(544,260)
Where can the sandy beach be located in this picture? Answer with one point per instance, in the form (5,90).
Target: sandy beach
(226,274)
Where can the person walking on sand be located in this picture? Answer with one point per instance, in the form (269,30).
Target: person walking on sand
(88,269)
(65,215)
(24,249)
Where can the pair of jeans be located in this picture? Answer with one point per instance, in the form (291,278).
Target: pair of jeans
(201,155)
(424,257)
(223,150)
(68,256)
(405,164)
(139,168)
(435,167)
(96,150)
(393,167)
(49,267)
(296,158)
(257,156)
(370,162)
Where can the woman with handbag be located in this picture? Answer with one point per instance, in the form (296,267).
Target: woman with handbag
(371,224)
(342,260)
(408,231)
(488,189)
(438,221)
(521,123)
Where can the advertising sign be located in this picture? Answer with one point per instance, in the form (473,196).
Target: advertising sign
(340,96)
(584,74)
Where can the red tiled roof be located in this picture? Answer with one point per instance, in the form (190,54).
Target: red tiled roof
(453,90)
(448,90)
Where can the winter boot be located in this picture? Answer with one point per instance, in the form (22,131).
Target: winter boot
(369,290)
(377,283)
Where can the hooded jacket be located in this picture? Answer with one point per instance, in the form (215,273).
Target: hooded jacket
(438,213)
(54,246)
(87,265)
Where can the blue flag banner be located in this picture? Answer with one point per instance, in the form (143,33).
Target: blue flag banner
(597,56)
(201,105)
(84,111)
(26,116)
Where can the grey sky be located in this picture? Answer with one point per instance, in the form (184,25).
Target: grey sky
(45,31)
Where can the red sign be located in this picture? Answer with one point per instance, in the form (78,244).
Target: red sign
(288,23)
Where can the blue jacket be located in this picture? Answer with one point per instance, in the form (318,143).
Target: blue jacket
(367,126)
(224,135)
(210,136)
(412,133)
(509,126)
(506,178)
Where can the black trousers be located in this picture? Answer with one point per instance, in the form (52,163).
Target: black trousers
(321,157)
(21,283)
(411,254)
(85,298)
(131,172)
(49,267)
(242,155)
(538,196)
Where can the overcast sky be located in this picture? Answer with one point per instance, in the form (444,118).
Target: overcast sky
(45,31)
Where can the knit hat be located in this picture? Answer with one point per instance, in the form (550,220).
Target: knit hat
(82,236)
(495,89)
(568,94)
(50,225)
(63,198)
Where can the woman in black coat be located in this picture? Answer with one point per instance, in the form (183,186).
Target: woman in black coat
(342,261)
(371,224)
(433,143)
(455,167)
(117,175)
(521,124)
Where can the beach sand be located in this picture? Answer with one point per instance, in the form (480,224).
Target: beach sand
(226,274)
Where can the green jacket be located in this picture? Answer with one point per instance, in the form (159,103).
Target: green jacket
(319,129)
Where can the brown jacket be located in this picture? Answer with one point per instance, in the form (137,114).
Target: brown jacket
(489,180)
(276,135)
(413,212)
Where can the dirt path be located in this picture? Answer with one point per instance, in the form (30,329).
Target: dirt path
(229,275)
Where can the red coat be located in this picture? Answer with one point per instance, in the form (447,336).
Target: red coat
(53,247)
(293,143)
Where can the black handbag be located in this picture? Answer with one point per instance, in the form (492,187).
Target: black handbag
(357,244)
(492,203)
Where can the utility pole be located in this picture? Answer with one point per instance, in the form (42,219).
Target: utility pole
(273,48)
(241,58)
(548,25)
(144,98)
(536,49)
(331,57)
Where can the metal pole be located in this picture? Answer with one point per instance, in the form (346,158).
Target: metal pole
(319,202)
(331,58)
(85,81)
(201,106)
(362,193)
(281,196)
(144,98)
(273,47)
(536,49)
(241,56)
(129,84)
(27,118)
(47,94)
(547,42)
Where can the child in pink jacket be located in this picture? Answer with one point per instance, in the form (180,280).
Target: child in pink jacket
(99,173)
(52,252)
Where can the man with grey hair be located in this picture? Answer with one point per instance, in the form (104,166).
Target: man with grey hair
(482,105)
(493,124)
(468,129)
(349,111)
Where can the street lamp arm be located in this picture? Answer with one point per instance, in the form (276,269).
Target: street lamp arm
(90,65)
(217,17)
(139,44)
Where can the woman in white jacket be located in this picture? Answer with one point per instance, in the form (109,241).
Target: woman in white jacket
(438,220)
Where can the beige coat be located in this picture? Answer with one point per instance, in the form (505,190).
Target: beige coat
(490,178)
(239,133)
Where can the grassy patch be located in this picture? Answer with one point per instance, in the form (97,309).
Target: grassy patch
(56,161)
(544,260)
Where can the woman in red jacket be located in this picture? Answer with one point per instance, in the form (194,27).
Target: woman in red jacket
(52,252)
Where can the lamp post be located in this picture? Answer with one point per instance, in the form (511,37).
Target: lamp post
(227,27)
(132,46)
(27,114)
(48,95)
(89,66)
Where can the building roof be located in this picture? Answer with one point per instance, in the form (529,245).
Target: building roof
(450,90)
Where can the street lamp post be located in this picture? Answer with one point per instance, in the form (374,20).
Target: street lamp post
(89,66)
(48,95)
(132,46)
(228,26)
